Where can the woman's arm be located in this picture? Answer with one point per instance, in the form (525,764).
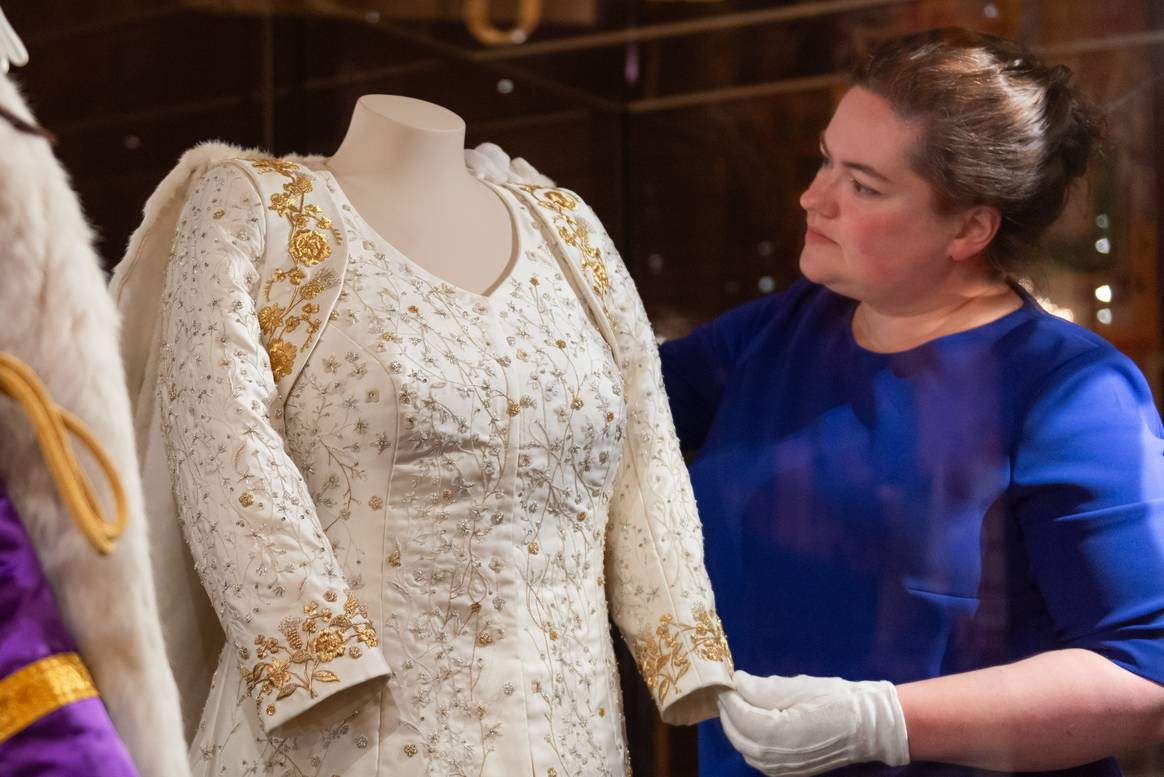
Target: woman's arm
(1088,499)
(1052,711)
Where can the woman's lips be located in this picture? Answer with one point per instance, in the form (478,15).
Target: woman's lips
(812,236)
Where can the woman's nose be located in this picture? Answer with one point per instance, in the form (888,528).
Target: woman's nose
(818,197)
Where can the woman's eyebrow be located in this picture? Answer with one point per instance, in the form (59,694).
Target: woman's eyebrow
(858,166)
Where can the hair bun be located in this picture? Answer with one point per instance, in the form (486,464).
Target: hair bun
(1073,125)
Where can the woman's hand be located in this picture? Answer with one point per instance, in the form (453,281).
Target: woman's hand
(807,725)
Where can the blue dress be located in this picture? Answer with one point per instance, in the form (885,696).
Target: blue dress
(984,497)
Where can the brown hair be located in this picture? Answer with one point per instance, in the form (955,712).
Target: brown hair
(997,128)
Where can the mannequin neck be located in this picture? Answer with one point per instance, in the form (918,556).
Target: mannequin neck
(402,168)
(403,141)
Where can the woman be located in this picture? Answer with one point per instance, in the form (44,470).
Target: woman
(914,478)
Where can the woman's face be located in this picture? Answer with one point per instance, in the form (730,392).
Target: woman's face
(873,234)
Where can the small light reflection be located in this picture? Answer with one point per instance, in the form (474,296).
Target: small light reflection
(1103,315)
(1103,293)
(766,284)
(505,86)
(990,11)
(1103,245)
(1102,221)
(655,264)
(1053,309)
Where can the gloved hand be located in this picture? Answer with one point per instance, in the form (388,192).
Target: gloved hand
(807,725)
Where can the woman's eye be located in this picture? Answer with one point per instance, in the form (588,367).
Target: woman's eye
(825,162)
(862,189)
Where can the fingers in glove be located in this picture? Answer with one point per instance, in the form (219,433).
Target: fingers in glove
(745,726)
(778,693)
(778,731)
(757,741)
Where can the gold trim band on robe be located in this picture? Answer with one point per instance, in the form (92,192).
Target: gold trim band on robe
(41,688)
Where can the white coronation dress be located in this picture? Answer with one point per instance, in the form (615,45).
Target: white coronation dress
(413,552)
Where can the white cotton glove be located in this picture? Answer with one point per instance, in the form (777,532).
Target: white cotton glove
(799,726)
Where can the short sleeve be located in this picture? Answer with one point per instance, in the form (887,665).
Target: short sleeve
(1089,496)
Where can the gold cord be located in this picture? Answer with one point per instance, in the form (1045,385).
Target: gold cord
(52,425)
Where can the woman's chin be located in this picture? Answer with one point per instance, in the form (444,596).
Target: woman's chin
(813,266)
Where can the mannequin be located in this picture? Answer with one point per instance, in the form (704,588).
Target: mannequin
(402,166)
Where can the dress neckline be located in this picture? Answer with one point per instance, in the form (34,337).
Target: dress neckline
(1002,323)
(510,267)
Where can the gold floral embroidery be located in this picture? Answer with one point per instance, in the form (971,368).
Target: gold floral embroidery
(574,233)
(709,639)
(294,662)
(666,657)
(307,246)
(281,166)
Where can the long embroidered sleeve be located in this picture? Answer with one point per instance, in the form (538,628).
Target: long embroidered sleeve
(298,630)
(660,595)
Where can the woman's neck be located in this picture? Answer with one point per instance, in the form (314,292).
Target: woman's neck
(893,328)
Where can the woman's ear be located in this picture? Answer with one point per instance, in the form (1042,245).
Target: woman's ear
(978,227)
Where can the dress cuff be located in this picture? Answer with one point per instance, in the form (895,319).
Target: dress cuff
(350,673)
(685,665)
(330,648)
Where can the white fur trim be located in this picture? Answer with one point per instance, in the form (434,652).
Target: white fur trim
(60,319)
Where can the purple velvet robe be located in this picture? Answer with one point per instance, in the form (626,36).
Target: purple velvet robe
(77,738)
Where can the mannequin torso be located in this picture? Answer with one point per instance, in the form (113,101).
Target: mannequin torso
(402,166)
